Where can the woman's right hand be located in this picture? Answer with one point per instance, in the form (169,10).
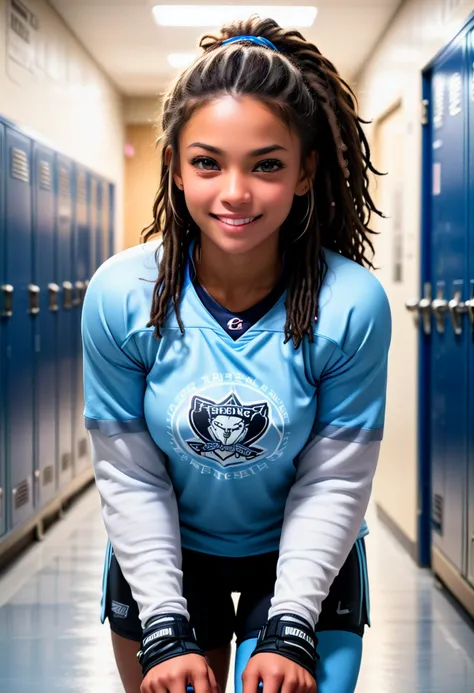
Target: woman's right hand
(175,674)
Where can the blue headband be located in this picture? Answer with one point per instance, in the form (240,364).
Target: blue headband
(259,40)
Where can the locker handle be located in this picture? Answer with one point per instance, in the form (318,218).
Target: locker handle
(7,291)
(34,294)
(470,308)
(80,293)
(456,309)
(68,289)
(423,308)
(439,306)
(53,291)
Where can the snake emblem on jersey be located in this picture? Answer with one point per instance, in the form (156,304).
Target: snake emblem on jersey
(228,429)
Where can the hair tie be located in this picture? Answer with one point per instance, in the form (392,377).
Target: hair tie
(259,40)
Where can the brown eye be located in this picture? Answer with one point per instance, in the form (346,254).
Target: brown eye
(269,166)
(204,163)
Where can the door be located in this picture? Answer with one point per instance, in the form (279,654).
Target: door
(44,247)
(3,296)
(19,326)
(65,341)
(395,484)
(470,530)
(448,247)
(81,266)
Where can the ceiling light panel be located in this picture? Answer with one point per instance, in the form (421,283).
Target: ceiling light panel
(215,15)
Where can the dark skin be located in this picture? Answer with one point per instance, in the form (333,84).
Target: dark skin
(238,265)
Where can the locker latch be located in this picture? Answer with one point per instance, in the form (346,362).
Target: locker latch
(456,310)
(53,294)
(439,306)
(67,289)
(7,308)
(423,308)
(80,293)
(33,295)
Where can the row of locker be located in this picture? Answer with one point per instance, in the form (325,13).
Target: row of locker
(56,228)
(446,317)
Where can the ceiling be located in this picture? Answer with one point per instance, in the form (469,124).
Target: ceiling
(132,49)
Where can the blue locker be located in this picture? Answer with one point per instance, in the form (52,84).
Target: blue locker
(18,327)
(112,219)
(81,266)
(449,276)
(94,221)
(65,317)
(470,322)
(105,230)
(2,319)
(46,371)
(99,224)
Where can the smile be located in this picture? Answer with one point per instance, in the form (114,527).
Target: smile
(235,222)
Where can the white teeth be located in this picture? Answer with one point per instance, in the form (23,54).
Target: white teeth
(236,222)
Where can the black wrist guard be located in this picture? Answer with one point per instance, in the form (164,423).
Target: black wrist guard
(166,637)
(292,637)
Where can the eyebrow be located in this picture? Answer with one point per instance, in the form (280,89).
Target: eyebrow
(255,152)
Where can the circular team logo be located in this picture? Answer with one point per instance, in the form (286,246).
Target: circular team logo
(228,428)
(228,420)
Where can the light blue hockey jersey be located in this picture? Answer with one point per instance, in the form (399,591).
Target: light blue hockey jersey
(233,417)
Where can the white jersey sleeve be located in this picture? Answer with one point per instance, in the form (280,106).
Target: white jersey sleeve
(327,502)
(139,507)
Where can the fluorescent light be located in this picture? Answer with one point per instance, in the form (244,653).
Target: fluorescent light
(180,60)
(215,15)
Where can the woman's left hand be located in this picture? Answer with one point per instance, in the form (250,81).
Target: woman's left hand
(277,674)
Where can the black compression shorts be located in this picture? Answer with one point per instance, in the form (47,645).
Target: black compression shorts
(209,581)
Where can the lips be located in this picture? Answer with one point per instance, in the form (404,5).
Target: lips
(235,221)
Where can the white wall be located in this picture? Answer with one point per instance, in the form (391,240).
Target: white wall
(392,75)
(66,100)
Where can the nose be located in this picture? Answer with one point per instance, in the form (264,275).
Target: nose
(235,189)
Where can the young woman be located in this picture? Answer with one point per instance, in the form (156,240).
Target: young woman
(235,376)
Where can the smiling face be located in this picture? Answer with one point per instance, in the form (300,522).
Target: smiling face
(240,167)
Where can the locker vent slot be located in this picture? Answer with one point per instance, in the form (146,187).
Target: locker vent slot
(65,461)
(48,475)
(64,184)
(82,447)
(81,188)
(22,494)
(19,164)
(437,512)
(45,175)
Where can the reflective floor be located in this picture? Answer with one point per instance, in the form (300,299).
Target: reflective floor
(51,638)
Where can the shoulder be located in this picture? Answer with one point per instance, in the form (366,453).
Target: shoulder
(119,294)
(352,304)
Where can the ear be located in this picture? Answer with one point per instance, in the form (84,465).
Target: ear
(307,174)
(176,173)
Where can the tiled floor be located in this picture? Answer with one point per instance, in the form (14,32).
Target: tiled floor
(51,639)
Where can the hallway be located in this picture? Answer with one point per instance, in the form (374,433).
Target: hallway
(51,638)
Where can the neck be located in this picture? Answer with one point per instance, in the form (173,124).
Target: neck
(238,281)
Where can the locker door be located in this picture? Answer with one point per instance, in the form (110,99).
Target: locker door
(94,218)
(449,338)
(19,325)
(44,244)
(2,319)
(105,231)
(111,217)
(470,530)
(99,224)
(65,343)
(81,266)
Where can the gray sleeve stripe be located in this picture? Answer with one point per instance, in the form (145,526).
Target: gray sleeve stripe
(113,428)
(349,435)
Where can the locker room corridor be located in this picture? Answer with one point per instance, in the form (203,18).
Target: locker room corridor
(51,638)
